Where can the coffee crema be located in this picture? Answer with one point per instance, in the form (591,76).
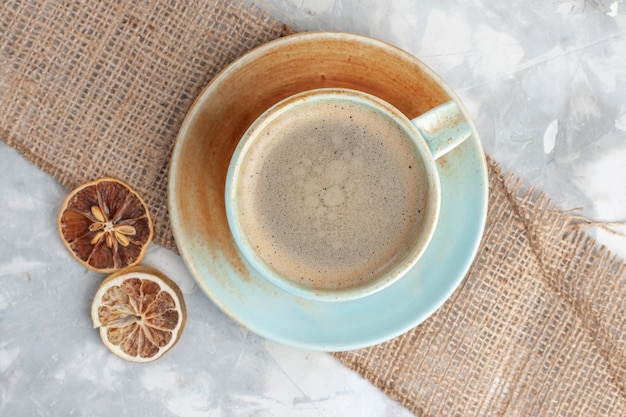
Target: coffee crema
(332,194)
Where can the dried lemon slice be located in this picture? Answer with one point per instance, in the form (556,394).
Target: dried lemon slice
(105,225)
(140,312)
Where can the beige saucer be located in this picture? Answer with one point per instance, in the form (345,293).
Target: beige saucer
(208,137)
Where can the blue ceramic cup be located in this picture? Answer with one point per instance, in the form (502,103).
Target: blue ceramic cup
(333,194)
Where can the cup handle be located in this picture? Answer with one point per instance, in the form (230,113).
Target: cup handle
(443,128)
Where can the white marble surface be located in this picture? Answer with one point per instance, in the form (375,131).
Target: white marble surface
(546,85)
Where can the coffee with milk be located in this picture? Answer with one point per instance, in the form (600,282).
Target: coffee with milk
(331,194)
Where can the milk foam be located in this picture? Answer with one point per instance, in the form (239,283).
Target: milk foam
(332,194)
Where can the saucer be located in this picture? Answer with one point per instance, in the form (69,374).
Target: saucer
(205,144)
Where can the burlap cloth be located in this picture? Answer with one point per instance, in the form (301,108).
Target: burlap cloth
(537,327)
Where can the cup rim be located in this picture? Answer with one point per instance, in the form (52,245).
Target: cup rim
(402,266)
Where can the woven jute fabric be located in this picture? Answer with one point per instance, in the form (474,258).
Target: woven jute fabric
(100,88)
(537,328)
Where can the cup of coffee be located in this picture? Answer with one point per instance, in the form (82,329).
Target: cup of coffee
(333,194)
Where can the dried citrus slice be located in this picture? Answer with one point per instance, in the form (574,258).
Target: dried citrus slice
(140,312)
(105,225)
